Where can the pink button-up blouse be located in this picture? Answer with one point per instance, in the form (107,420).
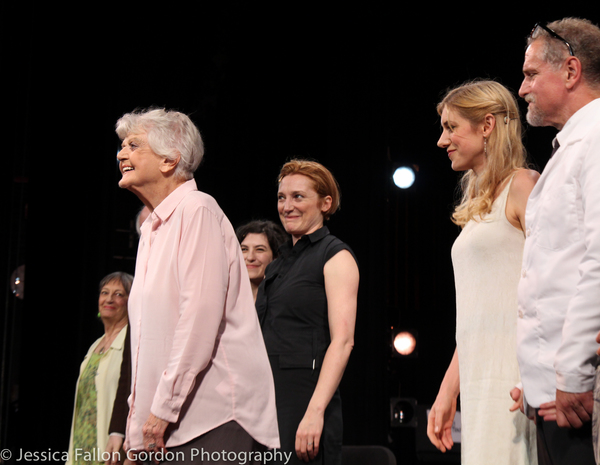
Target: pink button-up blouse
(198,356)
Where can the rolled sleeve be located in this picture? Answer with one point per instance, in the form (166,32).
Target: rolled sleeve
(576,357)
(559,292)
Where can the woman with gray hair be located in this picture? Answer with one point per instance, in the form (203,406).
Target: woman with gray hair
(201,378)
(99,374)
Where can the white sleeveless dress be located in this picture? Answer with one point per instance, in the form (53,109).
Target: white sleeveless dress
(487,263)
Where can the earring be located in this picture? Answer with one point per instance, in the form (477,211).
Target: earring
(485,145)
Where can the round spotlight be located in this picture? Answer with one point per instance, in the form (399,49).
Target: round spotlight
(403,412)
(17,282)
(405,343)
(404,177)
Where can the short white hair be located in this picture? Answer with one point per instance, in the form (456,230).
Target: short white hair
(171,134)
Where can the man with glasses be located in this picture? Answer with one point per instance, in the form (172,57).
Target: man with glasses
(559,291)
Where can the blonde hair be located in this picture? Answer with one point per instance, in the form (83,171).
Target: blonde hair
(505,152)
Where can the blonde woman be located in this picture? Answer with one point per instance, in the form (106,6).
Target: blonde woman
(481,132)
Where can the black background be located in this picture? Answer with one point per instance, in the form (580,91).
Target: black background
(354,87)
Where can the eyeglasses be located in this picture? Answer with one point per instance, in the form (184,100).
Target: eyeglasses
(553,34)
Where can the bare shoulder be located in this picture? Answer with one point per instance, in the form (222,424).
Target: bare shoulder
(523,182)
(343,261)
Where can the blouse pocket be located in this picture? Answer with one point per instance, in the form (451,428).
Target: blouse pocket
(302,352)
(297,360)
(558,225)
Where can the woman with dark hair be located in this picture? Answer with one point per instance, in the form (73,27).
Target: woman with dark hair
(99,374)
(260,241)
(307,308)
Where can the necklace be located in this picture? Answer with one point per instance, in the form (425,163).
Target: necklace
(103,348)
(106,343)
(107,340)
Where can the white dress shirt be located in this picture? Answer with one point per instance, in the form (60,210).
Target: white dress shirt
(559,290)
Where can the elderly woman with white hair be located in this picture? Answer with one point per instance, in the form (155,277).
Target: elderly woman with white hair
(201,379)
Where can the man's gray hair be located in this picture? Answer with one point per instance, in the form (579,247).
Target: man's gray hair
(584,38)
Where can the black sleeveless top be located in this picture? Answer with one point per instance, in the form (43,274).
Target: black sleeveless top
(292,303)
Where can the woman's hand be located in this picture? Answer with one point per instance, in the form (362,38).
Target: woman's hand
(308,435)
(548,411)
(154,432)
(439,423)
(341,287)
(113,449)
(441,415)
(516,394)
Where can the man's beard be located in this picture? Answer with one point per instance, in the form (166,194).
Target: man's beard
(535,116)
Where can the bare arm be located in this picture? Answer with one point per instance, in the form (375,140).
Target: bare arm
(341,287)
(521,187)
(441,415)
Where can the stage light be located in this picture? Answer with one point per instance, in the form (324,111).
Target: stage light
(405,343)
(404,177)
(17,282)
(403,412)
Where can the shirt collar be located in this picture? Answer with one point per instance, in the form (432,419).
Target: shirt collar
(318,234)
(166,208)
(579,123)
(308,238)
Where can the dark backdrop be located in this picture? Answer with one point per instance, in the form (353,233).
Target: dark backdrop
(354,87)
